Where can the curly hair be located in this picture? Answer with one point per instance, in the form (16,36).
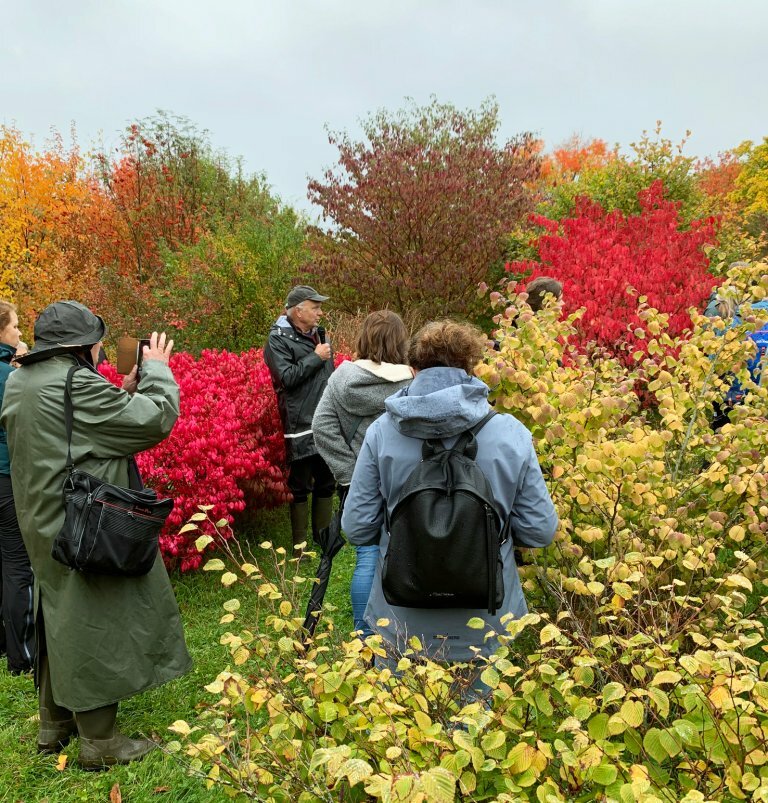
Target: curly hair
(447,344)
(382,338)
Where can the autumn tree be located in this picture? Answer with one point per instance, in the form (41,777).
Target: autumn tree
(751,191)
(47,201)
(416,211)
(170,192)
(615,179)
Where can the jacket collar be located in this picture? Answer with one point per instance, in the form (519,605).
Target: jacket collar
(7,353)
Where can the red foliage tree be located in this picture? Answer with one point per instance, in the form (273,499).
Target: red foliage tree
(598,255)
(419,211)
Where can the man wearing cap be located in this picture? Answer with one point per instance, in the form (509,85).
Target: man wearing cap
(300,362)
(101,639)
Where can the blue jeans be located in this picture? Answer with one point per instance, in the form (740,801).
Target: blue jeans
(360,588)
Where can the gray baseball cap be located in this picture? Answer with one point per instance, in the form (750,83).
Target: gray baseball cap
(303,292)
(63,326)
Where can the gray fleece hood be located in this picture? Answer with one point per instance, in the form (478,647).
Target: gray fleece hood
(360,387)
(439,403)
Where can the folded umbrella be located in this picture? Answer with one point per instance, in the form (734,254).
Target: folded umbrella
(330,540)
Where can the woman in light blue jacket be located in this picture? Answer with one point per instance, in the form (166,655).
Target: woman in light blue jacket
(443,401)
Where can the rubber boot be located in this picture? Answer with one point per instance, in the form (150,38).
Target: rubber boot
(299,520)
(101,743)
(322,510)
(57,724)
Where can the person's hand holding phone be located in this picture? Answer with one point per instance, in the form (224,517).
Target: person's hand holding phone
(158,349)
(131,381)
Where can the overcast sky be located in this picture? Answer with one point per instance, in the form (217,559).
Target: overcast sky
(265,77)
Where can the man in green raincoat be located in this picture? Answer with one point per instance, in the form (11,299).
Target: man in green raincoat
(102,639)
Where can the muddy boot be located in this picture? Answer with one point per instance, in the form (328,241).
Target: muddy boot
(299,520)
(322,510)
(57,724)
(101,743)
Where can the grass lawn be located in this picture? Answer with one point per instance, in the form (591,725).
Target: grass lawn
(29,778)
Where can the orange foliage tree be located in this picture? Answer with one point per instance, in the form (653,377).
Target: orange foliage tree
(46,208)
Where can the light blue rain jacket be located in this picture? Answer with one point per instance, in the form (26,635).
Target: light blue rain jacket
(442,403)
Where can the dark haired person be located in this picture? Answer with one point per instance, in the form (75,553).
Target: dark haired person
(443,401)
(300,362)
(539,288)
(17,623)
(353,399)
(101,639)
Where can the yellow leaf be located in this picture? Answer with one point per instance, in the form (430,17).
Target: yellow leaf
(549,633)
(557,472)
(187,527)
(214,565)
(228,578)
(666,676)
(202,542)
(198,517)
(231,605)
(719,697)
(61,763)
(738,581)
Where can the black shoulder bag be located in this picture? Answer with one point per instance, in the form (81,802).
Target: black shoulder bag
(107,529)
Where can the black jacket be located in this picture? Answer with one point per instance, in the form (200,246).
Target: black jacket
(298,377)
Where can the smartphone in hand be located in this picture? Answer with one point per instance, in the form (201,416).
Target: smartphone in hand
(130,351)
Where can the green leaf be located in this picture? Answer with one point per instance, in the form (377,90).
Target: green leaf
(604,774)
(613,691)
(598,727)
(476,623)
(214,565)
(439,785)
(490,677)
(355,770)
(633,741)
(652,745)
(492,741)
(327,711)
(660,700)
(671,742)
(455,762)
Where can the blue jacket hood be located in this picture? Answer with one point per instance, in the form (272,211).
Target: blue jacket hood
(439,403)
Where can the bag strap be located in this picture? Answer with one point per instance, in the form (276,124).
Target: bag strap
(358,419)
(69,415)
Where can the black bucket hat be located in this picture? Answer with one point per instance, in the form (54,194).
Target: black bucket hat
(61,327)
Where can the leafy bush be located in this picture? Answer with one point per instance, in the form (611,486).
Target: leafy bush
(641,674)
(226,450)
(419,208)
(598,255)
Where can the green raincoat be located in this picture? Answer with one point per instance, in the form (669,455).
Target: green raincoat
(107,638)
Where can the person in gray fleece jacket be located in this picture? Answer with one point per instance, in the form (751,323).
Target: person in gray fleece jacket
(443,401)
(353,399)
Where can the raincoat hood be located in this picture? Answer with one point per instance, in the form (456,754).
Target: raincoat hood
(439,403)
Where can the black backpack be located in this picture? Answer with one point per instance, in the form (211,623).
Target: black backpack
(444,545)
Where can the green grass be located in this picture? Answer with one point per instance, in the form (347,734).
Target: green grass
(26,777)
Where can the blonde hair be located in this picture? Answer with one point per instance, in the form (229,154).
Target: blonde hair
(6,308)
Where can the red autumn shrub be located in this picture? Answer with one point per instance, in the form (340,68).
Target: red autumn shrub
(597,255)
(226,450)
